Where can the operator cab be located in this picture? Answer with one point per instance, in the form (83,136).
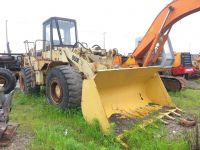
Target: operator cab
(59,32)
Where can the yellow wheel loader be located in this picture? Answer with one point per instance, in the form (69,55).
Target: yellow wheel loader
(75,76)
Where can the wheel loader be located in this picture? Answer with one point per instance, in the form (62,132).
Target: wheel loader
(75,75)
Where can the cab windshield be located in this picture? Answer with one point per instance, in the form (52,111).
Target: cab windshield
(59,32)
(67,32)
(64,32)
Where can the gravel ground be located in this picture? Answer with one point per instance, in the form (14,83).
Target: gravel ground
(193,85)
(175,128)
(126,123)
(20,142)
(122,123)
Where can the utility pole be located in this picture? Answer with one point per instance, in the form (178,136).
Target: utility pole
(104,40)
(7,42)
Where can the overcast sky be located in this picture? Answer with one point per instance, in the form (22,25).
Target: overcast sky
(121,20)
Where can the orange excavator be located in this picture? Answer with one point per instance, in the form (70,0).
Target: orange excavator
(150,51)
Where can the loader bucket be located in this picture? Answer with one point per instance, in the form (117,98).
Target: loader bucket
(131,92)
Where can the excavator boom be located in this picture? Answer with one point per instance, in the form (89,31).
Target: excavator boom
(146,52)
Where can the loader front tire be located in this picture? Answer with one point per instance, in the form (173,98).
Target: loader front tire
(25,81)
(63,87)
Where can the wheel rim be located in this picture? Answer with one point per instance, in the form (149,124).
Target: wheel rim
(3,81)
(22,83)
(56,91)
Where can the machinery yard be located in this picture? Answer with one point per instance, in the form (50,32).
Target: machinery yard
(45,127)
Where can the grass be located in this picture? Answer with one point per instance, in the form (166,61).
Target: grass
(59,130)
(153,137)
(56,129)
(188,100)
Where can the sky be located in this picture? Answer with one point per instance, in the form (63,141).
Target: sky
(121,21)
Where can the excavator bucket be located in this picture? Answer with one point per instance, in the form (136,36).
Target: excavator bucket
(134,92)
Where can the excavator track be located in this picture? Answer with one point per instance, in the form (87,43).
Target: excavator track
(172,83)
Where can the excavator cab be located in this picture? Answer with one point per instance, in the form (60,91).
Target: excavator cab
(60,32)
(167,56)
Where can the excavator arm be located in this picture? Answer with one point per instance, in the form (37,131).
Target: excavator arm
(151,46)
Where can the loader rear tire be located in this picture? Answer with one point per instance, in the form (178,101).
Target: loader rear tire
(8,80)
(64,87)
(25,81)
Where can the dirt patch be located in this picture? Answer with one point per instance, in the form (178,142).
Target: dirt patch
(122,123)
(20,142)
(192,84)
(175,128)
(126,123)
